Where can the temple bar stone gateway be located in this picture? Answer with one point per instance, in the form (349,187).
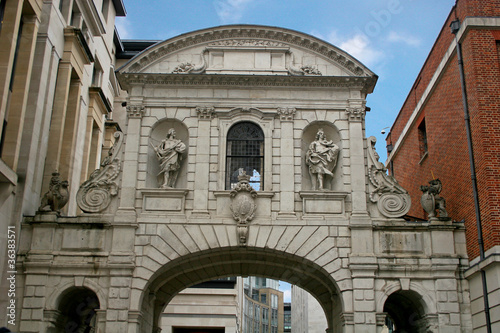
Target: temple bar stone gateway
(244,154)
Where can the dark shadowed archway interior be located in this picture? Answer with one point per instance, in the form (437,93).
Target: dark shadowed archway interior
(77,309)
(405,309)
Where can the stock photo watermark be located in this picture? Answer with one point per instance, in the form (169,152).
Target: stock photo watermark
(11,274)
(382,18)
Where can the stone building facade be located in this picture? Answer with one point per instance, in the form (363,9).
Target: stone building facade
(56,95)
(429,139)
(242,152)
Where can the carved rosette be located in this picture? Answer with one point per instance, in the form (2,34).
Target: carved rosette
(392,200)
(95,194)
(205,112)
(243,206)
(286,114)
(355,114)
(135,111)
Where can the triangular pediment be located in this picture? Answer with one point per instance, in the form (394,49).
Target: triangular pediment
(247,50)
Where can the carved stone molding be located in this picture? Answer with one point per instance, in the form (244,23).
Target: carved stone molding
(255,36)
(239,80)
(392,200)
(320,204)
(171,201)
(355,114)
(248,42)
(95,194)
(286,114)
(135,111)
(205,112)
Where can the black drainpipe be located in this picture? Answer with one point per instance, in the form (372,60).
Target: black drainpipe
(455,27)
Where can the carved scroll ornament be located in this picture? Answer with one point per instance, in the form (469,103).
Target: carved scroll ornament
(95,194)
(392,200)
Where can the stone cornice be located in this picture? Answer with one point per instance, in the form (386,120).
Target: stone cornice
(248,32)
(197,80)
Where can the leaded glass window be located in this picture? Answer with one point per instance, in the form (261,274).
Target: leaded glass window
(245,153)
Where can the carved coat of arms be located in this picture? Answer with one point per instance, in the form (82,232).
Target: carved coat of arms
(243,205)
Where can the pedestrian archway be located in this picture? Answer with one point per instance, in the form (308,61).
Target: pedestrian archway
(233,261)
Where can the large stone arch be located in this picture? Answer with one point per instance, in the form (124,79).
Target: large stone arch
(194,268)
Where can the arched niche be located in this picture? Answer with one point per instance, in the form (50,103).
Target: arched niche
(406,312)
(308,136)
(187,271)
(77,311)
(158,133)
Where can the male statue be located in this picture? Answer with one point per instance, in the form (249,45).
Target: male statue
(169,153)
(321,157)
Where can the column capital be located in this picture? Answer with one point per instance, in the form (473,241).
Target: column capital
(205,112)
(286,114)
(135,110)
(355,113)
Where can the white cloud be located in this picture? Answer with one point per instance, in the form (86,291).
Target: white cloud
(230,11)
(358,46)
(395,37)
(123,27)
(287,295)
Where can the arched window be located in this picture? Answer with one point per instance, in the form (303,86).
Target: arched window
(245,152)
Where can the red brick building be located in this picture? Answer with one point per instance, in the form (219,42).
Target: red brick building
(429,140)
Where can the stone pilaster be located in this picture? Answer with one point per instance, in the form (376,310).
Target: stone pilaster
(202,161)
(135,111)
(287,186)
(355,114)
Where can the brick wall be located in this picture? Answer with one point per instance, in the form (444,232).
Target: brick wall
(447,157)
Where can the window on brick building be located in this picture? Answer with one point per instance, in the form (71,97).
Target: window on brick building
(245,153)
(498,50)
(422,139)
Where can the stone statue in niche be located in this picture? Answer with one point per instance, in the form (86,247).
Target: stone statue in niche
(57,196)
(321,158)
(392,200)
(432,201)
(169,153)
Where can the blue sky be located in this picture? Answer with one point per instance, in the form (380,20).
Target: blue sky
(391,37)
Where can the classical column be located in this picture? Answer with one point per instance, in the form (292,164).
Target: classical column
(202,161)
(287,187)
(10,30)
(58,122)
(20,89)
